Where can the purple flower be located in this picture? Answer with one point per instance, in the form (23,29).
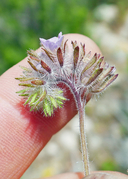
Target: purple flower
(52,43)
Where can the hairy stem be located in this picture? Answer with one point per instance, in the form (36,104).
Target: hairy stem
(80,106)
(84,149)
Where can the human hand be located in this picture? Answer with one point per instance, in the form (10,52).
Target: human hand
(24,134)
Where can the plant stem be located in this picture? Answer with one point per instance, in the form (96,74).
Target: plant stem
(84,149)
(81,110)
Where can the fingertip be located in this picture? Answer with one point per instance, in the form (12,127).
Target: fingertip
(90,45)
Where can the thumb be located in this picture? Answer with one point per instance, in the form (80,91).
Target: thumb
(106,175)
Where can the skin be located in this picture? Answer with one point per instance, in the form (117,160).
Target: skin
(24,134)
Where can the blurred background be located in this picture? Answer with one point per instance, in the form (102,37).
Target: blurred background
(104,21)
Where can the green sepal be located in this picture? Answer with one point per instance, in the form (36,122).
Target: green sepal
(33,99)
(23,91)
(61,98)
(105,84)
(106,73)
(51,109)
(32,65)
(25,79)
(53,101)
(90,63)
(95,74)
(47,107)
(34,105)
(49,53)
(45,112)
(26,69)
(99,62)
(43,95)
(59,91)
(59,103)
(28,99)
(26,84)
(23,94)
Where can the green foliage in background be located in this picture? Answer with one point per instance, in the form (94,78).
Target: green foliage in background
(23,22)
(109,165)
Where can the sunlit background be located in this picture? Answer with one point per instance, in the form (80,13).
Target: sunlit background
(104,21)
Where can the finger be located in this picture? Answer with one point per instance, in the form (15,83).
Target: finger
(106,175)
(93,175)
(23,134)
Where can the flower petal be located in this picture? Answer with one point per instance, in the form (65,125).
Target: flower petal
(53,42)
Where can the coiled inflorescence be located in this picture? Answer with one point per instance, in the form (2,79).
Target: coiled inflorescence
(58,63)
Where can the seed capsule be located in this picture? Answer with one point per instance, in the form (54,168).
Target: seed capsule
(32,65)
(90,63)
(45,66)
(76,56)
(60,56)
